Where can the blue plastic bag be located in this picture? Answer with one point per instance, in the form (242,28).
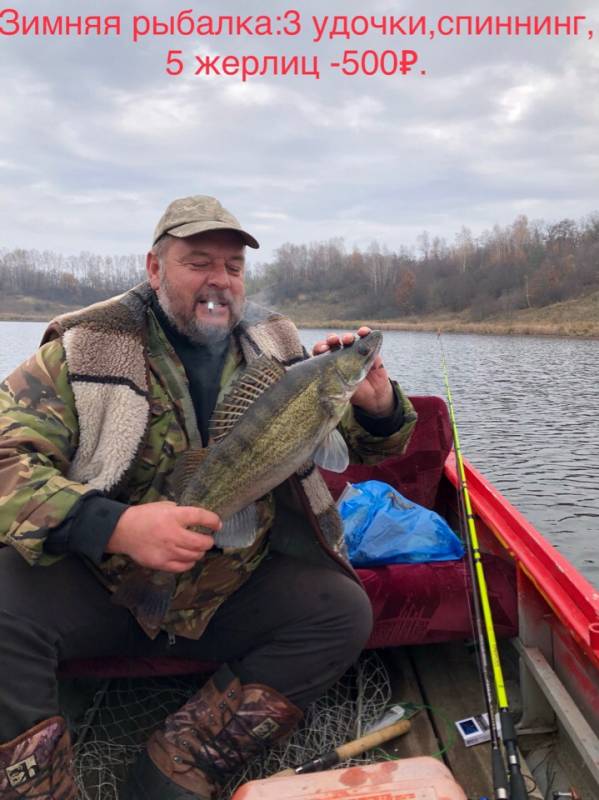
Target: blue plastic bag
(383,527)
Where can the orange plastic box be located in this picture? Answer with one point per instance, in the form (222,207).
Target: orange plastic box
(405,779)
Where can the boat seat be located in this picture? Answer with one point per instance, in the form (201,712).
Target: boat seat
(426,603)
(429,603)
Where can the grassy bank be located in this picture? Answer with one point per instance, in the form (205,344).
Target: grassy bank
(578,317)
(31,309)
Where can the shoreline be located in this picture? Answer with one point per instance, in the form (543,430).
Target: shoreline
(577,319)
(582,330)
(572,330)
(574,319)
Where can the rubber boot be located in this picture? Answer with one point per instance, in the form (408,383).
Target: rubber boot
(224,725)
(38,763)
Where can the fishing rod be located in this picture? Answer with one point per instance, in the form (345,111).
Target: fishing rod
(348,750)
(514,789)
(500,780)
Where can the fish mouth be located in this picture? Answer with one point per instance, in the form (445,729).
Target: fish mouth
(369,346)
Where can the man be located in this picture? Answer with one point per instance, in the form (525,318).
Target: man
(90,427)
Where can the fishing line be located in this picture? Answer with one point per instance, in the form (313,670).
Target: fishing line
(514,789)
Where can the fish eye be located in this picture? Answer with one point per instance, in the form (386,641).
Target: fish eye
(363,348)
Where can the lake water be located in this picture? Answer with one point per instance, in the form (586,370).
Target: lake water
(527,410)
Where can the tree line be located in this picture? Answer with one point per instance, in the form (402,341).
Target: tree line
(522,265)
(84,278)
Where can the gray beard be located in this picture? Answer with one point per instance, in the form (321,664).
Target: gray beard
(196,331)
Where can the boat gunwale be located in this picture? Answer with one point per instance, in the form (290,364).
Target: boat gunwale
(569,594)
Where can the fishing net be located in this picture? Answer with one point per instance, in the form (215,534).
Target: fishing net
(124,712)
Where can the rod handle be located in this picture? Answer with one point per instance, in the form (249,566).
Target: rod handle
(372,740)
(500,783)
(517,786)
(361,745)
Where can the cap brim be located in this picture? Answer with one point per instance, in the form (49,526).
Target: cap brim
(191,228)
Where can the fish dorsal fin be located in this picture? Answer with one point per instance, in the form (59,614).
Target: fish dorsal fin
(187,464)
(259,376)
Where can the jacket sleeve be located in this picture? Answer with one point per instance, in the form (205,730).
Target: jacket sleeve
(367,448)
(38,437)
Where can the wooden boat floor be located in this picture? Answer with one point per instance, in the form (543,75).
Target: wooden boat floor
(445,680)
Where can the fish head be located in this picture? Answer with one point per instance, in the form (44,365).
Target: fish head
(350,366)
(354,361)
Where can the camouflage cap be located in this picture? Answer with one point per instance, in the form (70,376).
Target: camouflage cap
(187,216)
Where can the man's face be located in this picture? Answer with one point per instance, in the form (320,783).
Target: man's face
(199,282)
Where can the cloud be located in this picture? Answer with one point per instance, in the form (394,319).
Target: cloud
(97,139)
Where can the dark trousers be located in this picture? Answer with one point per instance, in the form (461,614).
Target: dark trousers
(292,626)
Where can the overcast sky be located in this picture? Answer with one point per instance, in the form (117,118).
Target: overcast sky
(96,139)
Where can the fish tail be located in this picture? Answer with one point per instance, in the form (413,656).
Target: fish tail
(147,594)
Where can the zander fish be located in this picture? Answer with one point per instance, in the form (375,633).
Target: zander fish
(271,422)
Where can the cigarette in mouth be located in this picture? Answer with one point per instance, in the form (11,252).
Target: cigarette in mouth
(210,305)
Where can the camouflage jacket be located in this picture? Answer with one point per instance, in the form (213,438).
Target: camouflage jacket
(103,406)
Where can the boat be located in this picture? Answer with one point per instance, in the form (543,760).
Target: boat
(546,617)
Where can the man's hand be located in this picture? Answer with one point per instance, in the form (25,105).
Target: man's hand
(374,394)
(156,535)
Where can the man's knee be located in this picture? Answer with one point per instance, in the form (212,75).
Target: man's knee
(355,609)
(341,612)
(364,616)
(339,633)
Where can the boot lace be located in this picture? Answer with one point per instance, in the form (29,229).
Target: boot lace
(225,747)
